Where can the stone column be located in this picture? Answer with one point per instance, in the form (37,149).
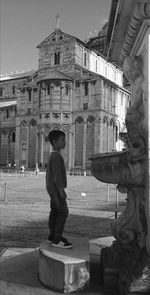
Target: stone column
(51,96)
(84,144)
(61,96)
(81,97)
(108,126)
(70,150)
(32,96)
(73,144)
(27,146)
(42,142)
(37,148)
(97,137)
(17,147)
(101,136)
(43,96)
(89,94)
(8,148)
(71,96)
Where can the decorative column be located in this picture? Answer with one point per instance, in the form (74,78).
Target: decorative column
(42,142)
(89,93)
(51,96)
(71,95)
(17,147)
(8,148)
(73,144)
(84,143)
(37,147)
(70,150)
(97,137)
(61,96)
(27,146)
(81,97)
(43,95)
(108,126)
(101,135)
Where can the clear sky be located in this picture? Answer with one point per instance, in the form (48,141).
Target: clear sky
(25,23)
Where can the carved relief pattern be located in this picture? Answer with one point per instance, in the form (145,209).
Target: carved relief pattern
(56,116)
(131,226)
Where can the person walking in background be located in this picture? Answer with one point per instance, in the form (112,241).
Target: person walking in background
(56,182)
(37,169)
(22,169)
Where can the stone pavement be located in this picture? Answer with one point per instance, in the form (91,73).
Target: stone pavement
(19,271)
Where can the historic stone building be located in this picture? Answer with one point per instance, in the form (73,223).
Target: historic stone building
(74,89)
(98,42)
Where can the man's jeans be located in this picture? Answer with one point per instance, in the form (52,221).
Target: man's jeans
(57,218)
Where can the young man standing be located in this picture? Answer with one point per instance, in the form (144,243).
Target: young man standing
(56,182)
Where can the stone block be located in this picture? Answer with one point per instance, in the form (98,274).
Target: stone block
(62,272)
(95,247)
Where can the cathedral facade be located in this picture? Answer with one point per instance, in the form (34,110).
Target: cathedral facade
(74,89)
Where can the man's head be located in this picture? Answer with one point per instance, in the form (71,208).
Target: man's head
(57,139)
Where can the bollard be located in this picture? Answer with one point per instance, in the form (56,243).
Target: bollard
(83,195)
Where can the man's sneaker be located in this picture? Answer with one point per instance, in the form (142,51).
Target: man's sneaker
(62,244)
(64,239)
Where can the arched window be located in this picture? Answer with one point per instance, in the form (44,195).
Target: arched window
(13,89)
(67,90)
(57,58)
(13,137)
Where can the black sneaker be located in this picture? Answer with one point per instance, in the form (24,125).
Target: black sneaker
(62,244)
(64,239)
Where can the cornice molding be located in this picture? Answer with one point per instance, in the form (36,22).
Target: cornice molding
(141,11)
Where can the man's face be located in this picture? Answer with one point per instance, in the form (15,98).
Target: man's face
(61,142)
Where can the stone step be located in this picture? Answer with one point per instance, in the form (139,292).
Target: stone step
(64,270)
(95,248)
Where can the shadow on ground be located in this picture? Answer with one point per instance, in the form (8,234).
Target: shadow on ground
(32,233)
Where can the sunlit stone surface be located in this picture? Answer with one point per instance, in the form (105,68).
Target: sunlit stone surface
(62,270)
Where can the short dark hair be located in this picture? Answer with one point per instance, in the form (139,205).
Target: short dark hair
(54,135)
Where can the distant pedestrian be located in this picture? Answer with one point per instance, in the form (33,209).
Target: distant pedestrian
(36,169)
(22,169)
(56,182)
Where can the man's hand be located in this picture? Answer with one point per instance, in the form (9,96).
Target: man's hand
(62,194)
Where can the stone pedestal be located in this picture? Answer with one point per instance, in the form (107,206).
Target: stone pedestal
(95,248)
(61,270)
